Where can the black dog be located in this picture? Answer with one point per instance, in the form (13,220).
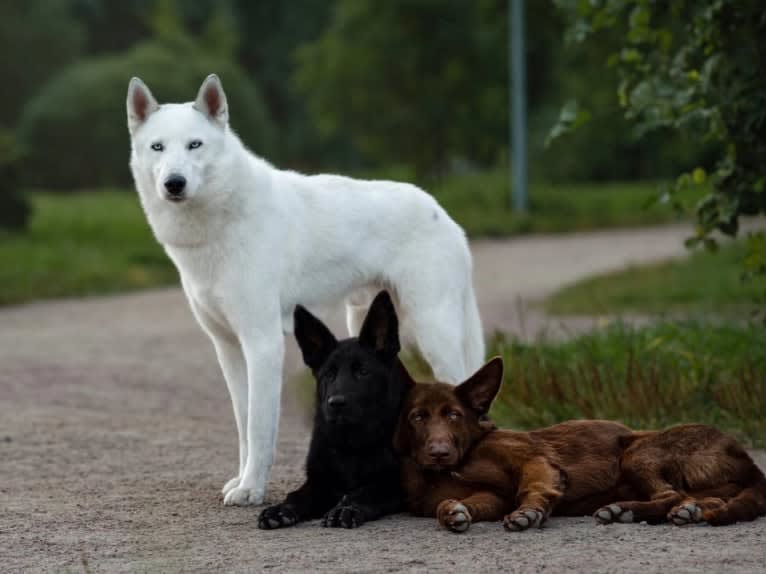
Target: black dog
(352,473)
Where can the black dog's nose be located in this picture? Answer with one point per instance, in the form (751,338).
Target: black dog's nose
(175,185)
(336,401)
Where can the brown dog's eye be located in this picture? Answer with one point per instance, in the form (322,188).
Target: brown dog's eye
(454,415)
(417,417)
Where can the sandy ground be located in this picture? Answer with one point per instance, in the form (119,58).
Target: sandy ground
(116,435)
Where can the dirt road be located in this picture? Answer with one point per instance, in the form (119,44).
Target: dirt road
(116,435)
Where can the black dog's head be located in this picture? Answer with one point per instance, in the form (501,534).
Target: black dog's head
(360,382)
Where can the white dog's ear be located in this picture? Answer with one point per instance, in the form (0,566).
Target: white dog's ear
(141,104)
(211,100)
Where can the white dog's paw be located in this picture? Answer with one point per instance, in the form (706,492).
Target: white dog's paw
(233,483)
(243,496)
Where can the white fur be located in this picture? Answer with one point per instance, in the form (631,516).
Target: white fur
(251,241)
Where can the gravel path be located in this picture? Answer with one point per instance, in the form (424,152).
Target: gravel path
(116,435)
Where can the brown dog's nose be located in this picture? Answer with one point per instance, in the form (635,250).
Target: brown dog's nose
(438,450)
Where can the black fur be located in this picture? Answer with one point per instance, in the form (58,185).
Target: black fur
(352,473)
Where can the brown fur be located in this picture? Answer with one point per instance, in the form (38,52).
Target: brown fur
(457,467)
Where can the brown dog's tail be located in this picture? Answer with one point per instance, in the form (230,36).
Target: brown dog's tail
(748,504)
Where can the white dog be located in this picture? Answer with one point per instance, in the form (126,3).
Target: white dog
(250,242)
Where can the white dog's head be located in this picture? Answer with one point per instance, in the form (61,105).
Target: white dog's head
(175,145)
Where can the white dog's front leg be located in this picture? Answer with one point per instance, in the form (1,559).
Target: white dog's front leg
(264,387)
(234,367)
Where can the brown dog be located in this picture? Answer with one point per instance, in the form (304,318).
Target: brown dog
(459,468)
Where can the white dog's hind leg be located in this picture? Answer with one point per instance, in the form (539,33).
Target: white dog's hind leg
(264,375)
(357,305)
(355,315)
(439,335)
(232,361)
(473,334)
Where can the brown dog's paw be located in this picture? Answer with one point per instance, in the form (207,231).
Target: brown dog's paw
(522,519)
(453,515)
(613,513)
(686,513)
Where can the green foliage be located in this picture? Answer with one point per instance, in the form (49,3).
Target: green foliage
(82,244)
(704,284)
(416,81)
(648,377)
(74,131)
(14,209)
(37,37)
(699,67)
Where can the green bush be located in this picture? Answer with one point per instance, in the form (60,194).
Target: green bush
(75,131)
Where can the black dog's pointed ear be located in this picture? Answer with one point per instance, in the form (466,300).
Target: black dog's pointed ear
(314,338)
(480,389)
(380,330)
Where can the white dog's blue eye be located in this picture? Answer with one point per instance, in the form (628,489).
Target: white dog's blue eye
(194,144)
(157,146)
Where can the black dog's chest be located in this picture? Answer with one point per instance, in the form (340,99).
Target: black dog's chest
(351,470)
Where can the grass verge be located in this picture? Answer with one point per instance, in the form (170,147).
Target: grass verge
(81,244)
(709,283)
(646,377)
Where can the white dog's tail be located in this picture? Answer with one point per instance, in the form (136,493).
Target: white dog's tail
(473,341)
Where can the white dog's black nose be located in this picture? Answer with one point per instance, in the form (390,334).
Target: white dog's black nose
(175,186)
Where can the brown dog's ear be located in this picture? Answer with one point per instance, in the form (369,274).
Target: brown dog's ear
(480,389)
(314,338)
(380,330)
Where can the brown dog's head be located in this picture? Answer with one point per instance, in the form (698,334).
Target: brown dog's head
(439,422)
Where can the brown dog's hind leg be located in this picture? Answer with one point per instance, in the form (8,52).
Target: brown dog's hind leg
(457,515)
(653,510)
(748,504)
(645,478)
(692,511)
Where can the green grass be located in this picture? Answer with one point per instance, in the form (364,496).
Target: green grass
(705,283)
(81,244)
(647,377)
(479,203)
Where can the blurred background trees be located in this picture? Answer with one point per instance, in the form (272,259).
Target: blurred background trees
(418,88)
(345,84)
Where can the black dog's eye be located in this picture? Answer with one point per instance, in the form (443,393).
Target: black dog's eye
(157,146)
(194,144)
(330,374)
(361,371)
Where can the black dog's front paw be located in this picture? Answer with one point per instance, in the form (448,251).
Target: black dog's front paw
(344,515)
(277,516)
